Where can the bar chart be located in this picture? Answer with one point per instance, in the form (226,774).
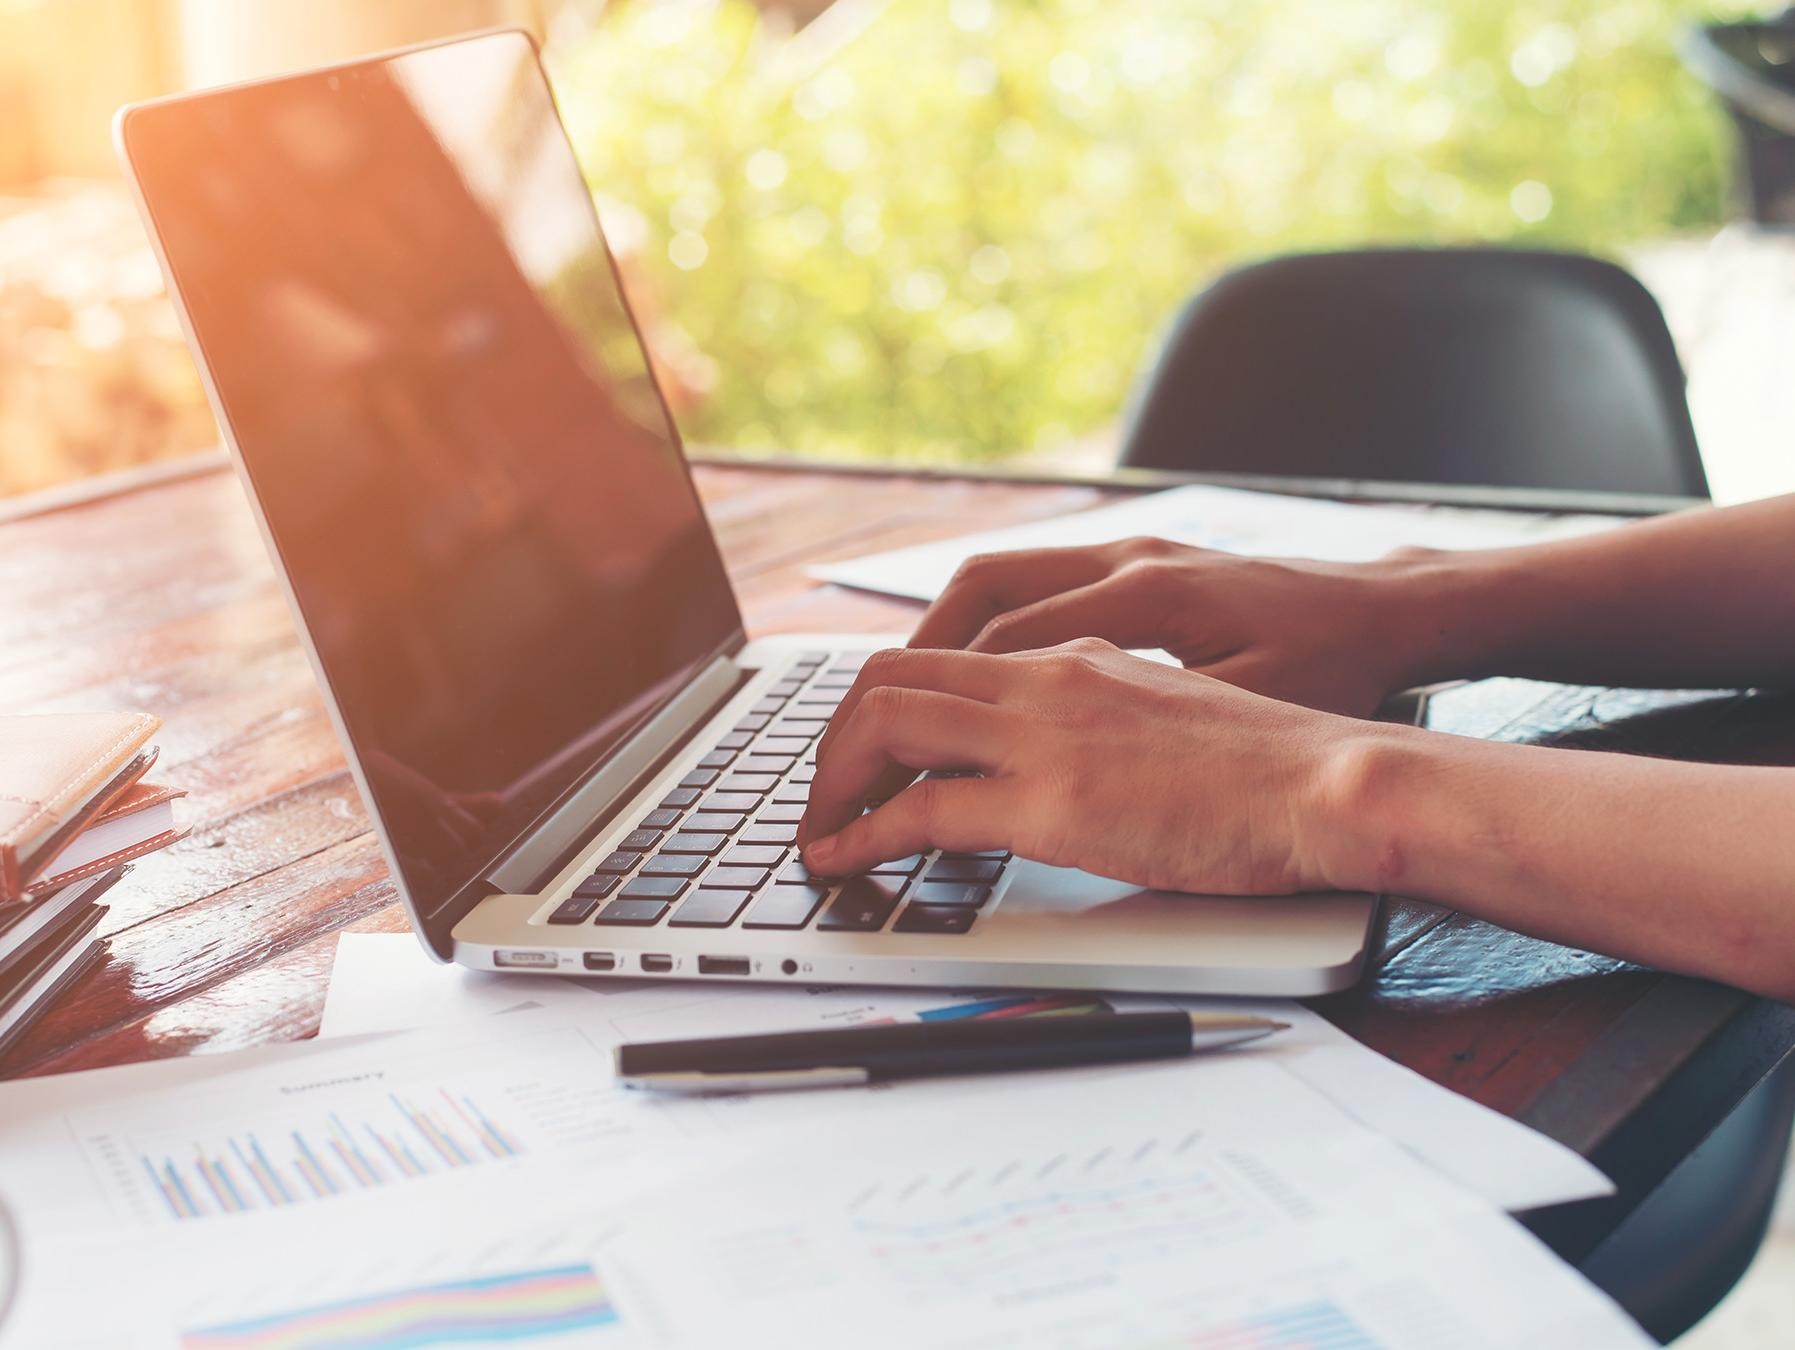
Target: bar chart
(563,1304)
(235,1173)
(1319,1325)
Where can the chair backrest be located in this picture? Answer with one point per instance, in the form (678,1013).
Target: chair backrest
(1486,367)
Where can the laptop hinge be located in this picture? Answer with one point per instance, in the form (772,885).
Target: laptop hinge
(546,848)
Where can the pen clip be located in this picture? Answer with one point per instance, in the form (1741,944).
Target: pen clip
(751,1080)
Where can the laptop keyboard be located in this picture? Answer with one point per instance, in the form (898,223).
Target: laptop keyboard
(718,851)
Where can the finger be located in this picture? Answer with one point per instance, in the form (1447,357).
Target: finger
(962,814)
(1108,609)
(987,585)
(894,733)
(979,677)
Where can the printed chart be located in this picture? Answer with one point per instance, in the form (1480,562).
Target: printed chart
(1320,1325)
(537,1305)
(375,1119)
(1032,1222)
(235,1173)
(1015,1005)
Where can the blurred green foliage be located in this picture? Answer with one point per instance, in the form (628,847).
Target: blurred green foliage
(954,234)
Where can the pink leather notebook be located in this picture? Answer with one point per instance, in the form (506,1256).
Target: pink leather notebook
(58,772)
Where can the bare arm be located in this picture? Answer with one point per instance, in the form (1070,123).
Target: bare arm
(1092,758)
(1700,599)
(1703,598)
(1688,867)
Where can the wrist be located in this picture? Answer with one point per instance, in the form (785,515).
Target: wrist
(1454,615)
(1367,807)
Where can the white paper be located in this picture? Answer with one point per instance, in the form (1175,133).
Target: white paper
(382,982)
(1280,1223)
(1067,1210)
(1227,519)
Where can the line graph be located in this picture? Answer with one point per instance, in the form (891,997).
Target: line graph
(1026,1219)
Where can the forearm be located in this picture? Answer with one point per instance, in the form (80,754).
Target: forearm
(1700,599)
(1688,867)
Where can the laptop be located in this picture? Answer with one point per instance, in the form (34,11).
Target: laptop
(421,354)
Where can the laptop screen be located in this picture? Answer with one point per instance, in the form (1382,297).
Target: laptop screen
(414,329)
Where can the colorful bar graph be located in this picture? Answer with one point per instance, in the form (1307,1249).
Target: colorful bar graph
(239,1174)
(1016,1005)
(487,1309)
(1321,1325)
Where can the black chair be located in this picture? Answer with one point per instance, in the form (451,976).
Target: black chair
(1473,367)
(1688,1242)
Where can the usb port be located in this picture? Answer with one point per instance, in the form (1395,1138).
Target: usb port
(658,965)
(722,965)
(601,961)
(525,960)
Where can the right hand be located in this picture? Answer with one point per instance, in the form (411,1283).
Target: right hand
(1334,636)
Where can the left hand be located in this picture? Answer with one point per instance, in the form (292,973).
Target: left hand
(1089,758)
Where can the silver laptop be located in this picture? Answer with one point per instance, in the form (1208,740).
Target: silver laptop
(419,350)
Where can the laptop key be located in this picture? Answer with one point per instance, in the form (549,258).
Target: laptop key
(799,726)
(898,867)
(797,874)
(740,802)
(768,707)
(963,895)
(754,855)
(965,869)
(779,813)
(680,798)
(705,908)
(811,658)
(782,745)
(784,907)
(804,773)
(620,861)
(862,907)
(717,759)
(736,740)
(598,886)
(688,841)
(632,913)
(753,722)
(699,778)
(785,689)
(713,822)
(774,764)
(639,840)
(576,908)
(770,834)
(674,865)
(659,820)
(655,888)
(756,783)
(737,878)
(792,792)
(934,919)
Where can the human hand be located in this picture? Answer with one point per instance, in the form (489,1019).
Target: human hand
(1090,758)
(1327,635)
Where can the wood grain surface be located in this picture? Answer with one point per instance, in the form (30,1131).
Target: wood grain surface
(162,598)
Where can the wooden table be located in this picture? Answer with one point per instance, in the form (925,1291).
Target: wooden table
(160,597)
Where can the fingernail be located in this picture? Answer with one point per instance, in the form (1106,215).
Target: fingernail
(820,850)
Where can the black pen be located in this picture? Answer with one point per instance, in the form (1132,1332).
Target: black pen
(850,1056)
